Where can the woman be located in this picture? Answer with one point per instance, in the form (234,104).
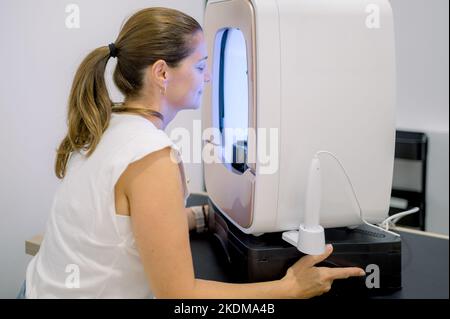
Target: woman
(118,226)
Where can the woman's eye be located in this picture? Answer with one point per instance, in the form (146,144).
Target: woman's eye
(201,68)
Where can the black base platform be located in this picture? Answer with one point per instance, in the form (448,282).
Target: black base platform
(248,258)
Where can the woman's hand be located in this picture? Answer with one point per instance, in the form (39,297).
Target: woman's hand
(304,280)
(191,216)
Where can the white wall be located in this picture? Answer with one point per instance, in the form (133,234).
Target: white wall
(421,28)
(38,59)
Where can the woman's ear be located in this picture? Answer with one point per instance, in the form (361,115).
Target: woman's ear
(160,72)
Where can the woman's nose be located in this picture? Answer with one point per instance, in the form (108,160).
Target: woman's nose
(207,77)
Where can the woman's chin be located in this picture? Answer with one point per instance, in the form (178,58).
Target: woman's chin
(196,105)
(192,107)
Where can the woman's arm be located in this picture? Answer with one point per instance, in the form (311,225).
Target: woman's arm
(154,190)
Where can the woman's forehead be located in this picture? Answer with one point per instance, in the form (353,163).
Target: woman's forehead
(200,51)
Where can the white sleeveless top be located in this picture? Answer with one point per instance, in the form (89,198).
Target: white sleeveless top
(88,250)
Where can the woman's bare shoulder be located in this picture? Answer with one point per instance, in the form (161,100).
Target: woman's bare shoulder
(155,171)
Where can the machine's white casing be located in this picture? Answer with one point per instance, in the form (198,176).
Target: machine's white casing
(326,80)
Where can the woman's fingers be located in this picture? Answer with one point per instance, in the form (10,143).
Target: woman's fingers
(344,273)
(311,260)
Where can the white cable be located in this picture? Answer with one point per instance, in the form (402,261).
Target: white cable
(396,216)
(348,179)
(346,175)
(380,228)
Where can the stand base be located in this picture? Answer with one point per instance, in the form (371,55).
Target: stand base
(267,257)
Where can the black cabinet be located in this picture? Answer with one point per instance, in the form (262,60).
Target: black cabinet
(412,146)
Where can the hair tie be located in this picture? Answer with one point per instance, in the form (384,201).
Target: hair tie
(112,50)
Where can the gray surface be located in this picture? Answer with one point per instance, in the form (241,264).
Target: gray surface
(424,267)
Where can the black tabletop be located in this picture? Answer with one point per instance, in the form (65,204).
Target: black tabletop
(424,265)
